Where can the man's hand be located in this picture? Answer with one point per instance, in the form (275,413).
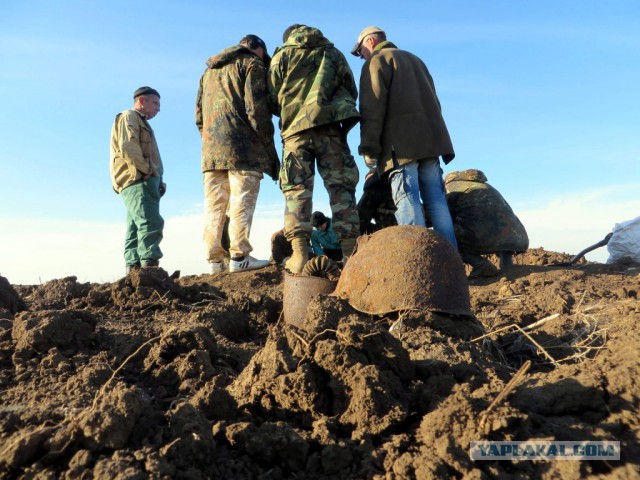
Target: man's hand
(370,161)
(163,188)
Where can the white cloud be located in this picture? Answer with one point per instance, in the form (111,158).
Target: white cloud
(34,251)
(575,220)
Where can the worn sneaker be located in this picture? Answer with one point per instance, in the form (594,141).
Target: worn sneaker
(216,267)
(248,263)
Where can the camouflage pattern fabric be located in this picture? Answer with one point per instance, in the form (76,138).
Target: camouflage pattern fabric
(280,247)
(376,204)
(337,168)
(310,84)
(233,116)
(483,220)
(471,175)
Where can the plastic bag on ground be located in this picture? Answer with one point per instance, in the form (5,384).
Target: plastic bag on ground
(624,244)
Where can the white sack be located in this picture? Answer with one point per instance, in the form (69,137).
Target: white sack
(625,242)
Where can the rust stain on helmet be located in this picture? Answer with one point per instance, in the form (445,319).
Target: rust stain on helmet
(405,267)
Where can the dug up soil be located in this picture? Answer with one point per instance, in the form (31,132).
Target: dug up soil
(199,377)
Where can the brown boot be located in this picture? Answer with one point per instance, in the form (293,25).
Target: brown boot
(296,263)
(348,245)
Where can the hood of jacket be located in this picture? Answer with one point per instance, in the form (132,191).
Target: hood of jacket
(305,37)
(471,175)
(228,55)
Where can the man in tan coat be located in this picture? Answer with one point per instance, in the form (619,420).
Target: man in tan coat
(402,130)
(136,174)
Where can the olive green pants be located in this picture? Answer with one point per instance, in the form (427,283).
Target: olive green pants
(144,223)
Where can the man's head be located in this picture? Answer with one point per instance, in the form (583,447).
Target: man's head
(367,41)
(146,100)
(319,221)
(257,46)
(290,29)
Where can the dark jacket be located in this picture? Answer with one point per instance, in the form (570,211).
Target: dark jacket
(483,220)
(376,203)
(232,114)
(400,110)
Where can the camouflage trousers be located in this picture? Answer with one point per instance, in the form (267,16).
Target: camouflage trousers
(237,192)
(338,170)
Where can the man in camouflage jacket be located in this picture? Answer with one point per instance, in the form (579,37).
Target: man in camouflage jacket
(312,90)
(136,174)
(237,148)
(484,222)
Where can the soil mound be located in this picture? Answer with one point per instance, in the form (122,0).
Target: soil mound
(156,376)
(10,301)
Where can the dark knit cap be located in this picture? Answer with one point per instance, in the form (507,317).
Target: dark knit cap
(145,91)
(318,218)
(253,42)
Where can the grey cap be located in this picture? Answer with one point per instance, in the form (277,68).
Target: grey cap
(367,31)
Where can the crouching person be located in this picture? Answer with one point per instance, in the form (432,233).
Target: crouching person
(484,222)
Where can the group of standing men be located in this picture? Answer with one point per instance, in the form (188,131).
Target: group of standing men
(307,84)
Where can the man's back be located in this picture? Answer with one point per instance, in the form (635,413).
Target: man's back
(232,114)
(310,83)
(484,222)
(400,109)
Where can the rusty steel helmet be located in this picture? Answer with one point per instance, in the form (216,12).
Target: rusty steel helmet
(405,268)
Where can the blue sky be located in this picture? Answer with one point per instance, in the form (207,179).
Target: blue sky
(542,96)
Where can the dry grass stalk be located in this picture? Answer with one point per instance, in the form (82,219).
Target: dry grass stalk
(115,372)
(540,322)
(538,346)
(513,325)
(505,391)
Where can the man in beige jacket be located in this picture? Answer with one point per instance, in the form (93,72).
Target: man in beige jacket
(402,130)
(136,174)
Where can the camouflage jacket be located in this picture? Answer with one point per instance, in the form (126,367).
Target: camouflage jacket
(134,151)
(232,114)
(311,84)
(483,220)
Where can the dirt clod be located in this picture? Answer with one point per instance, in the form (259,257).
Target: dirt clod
(156,376)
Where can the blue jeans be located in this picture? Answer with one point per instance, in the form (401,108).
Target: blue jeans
(422,179)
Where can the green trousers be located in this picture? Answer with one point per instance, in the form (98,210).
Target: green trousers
(144,223)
